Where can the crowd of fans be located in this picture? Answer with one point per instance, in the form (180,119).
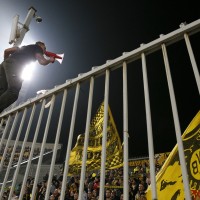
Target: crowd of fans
(139,179)
(25,157)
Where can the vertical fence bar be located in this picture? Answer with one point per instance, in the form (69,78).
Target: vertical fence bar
(2,120)
(13,151)
(177,125)
(104,138)
(193,61)
(43,147)
(22,152)
(149,128)
(1,129)
(1,124)
(32,150)
(87,129)
(8,140)
(125,133)
(56,145)
(4,132)
(66,166)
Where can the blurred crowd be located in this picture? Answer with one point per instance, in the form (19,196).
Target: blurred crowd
(139,179)
(25,157)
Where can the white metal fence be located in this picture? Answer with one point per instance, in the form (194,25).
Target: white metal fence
(33,116)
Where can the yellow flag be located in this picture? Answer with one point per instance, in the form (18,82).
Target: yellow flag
(169,180)
(113,147)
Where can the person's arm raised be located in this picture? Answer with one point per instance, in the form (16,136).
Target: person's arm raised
(43,61)
(9,51)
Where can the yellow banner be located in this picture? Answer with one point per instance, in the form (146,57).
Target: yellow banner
(159,159)
(169,179)
(113,146)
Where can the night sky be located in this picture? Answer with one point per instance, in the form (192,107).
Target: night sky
(91,32)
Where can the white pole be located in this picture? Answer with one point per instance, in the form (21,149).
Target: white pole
(66,167)
(104,138)
(42,148)
(56,145)
(149,128)
(125,132)
(193,61)
(87,129)
(177,125)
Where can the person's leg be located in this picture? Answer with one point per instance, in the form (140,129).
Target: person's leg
(14,85)
(3,81)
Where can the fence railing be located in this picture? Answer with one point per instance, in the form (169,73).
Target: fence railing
(34,119)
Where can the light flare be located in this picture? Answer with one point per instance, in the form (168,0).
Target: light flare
(28,71)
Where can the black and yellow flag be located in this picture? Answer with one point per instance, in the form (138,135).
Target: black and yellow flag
(113,147)
(169,180)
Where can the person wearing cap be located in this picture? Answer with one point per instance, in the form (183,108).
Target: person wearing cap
(15,59)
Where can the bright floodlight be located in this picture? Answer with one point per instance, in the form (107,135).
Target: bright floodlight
(28,71)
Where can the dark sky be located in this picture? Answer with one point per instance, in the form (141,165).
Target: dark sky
(91,32)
